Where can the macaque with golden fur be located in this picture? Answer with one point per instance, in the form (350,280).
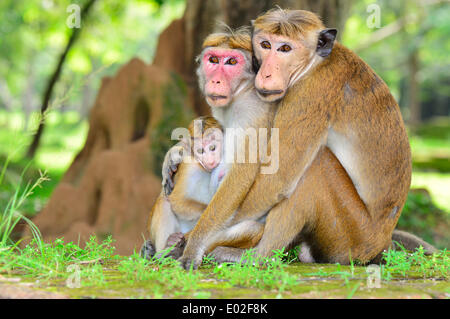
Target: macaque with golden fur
(176,214)
(196,181)
(345,160)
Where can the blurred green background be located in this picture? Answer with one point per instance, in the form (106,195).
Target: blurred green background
(409,50)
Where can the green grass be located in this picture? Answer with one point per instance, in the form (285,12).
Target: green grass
(63,137)
(96,271)
(438,184)
(430,145)
(409,264)
(24,189)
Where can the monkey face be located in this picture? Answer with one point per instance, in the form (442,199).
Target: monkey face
(208,150)
(282,61)
(221,70)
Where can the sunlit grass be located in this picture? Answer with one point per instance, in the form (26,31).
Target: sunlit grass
(63,137)
(438,184)
(425,147)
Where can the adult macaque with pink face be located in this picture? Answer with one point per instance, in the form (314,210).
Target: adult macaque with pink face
(222,69)
(344,156)
(226,78)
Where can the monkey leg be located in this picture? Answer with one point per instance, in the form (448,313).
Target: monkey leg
(270,238)
(227,254)
(177,242)
(163,223)
(245,234)
(234,240)
(326,213)
(284,223)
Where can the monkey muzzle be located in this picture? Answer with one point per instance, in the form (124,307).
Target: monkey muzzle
(267,93)
(217,97)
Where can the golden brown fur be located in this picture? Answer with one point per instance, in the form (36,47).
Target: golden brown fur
(313,198)
(289,23)
(237,39)
(165,216)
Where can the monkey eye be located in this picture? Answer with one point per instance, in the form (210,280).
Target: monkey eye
(266,45)
(214,60)
(212,148)
(285,48)
(200,151)
(231,61)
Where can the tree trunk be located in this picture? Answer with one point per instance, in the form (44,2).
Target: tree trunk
(53,79)
(415,114)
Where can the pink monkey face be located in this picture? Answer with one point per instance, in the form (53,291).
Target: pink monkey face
(222,69)
(208,149)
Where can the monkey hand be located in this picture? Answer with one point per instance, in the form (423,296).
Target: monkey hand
(147,250)
(177,242)
(172,159)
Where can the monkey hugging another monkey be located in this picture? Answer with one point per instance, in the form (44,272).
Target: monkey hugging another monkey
(344,156)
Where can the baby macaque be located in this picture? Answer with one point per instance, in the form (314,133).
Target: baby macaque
(196,181)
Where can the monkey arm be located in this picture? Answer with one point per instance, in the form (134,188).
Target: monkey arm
(299,142)
(173,158)
(217,215)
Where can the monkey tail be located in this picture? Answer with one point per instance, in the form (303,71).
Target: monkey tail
(411,242)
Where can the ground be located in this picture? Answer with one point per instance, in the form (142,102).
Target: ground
(307,285)
(64,270)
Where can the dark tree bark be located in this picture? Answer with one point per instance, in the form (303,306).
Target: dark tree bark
(54,78)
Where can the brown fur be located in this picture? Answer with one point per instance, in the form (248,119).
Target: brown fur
(161,218)
(238,39)
(312,197)
(290,23)
(322,98)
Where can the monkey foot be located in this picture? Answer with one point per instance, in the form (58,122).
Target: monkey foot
(178,242)
(147,250)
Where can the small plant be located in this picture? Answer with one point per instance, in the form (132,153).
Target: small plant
(11,215)
(257,272)
(402,263)
(160,272)
(51,260)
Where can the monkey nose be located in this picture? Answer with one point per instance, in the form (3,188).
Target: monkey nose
(267,76)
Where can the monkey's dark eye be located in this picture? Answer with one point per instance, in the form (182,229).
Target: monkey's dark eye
(231,61)
(212,148)
(266,45)
(214,60)
(285,48)
(200,151)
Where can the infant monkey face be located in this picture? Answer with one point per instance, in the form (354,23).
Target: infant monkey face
(208,149)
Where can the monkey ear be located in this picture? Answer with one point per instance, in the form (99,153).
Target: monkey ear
(255,64)
(326,42)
